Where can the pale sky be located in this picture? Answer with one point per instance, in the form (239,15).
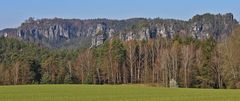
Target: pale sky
(14,12)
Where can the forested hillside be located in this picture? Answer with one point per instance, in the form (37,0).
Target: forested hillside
(77,33)
(179,61)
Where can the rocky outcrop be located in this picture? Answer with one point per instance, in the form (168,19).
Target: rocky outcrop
(99,36)
(216,26)
(91,33)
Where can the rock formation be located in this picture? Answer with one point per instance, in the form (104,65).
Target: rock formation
(57,33)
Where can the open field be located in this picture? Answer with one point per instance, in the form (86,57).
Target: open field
(112,93)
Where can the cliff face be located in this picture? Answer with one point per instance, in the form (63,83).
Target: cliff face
(90,33)
(217,26)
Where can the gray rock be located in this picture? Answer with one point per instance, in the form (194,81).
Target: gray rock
(57,33)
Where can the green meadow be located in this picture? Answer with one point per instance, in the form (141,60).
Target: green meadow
(113,93)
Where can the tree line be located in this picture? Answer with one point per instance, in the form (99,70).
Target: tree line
(187,61)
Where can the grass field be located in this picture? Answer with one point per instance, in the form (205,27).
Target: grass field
(112,93)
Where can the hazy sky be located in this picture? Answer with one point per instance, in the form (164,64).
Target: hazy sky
(14,12)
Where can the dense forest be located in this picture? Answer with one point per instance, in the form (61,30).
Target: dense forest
(180,62)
